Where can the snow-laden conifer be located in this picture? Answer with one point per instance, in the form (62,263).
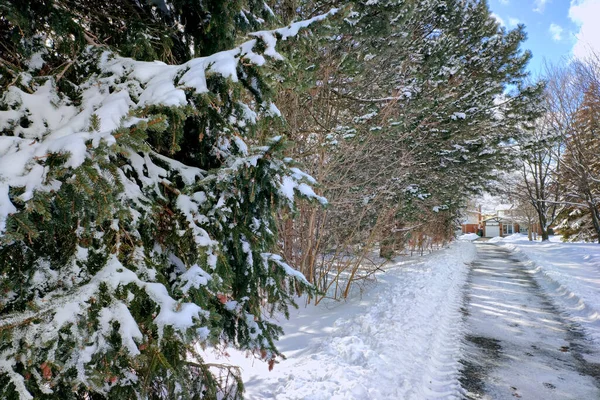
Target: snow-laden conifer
(137,207)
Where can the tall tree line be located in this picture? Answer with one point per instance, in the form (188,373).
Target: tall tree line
(405,114)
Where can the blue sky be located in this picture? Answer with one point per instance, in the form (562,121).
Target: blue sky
(556,29)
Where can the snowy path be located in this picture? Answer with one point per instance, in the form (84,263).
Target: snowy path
(518,345)
(397,340)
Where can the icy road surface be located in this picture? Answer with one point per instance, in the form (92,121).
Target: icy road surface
(517,344)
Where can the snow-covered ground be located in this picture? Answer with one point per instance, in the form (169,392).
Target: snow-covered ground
(570,274)
(396,339)
(402,336)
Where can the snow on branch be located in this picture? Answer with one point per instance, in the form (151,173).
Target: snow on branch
(56,126)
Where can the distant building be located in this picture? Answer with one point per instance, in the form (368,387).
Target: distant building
(501,223)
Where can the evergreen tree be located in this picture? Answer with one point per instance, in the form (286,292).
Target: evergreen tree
(460,62)
(137,198)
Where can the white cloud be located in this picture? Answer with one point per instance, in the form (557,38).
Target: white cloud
(540,5)
(504,2)
(556,31)
(585,14)
(498,19)
(512,22)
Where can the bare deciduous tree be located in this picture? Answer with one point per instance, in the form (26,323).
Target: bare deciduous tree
(540,161)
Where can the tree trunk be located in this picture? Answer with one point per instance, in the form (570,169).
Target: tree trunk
(543,227)
(307,267)
(288,239)
(595,219)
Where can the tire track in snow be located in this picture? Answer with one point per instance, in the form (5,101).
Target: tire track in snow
(518,344)
(576,309)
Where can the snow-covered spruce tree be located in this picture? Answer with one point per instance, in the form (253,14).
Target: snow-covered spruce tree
(136,199)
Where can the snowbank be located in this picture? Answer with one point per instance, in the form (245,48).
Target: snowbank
(469,236)
(569,272)
(398,340)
